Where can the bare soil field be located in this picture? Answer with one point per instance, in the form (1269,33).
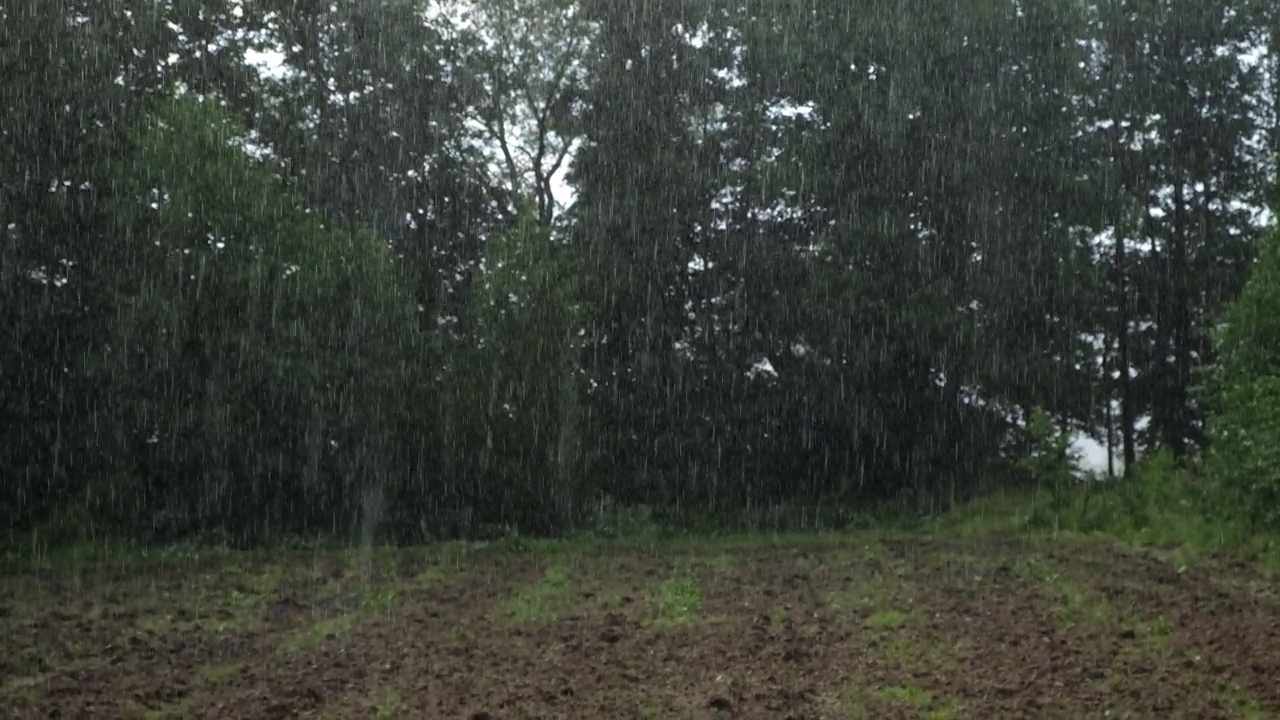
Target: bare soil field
(831,627)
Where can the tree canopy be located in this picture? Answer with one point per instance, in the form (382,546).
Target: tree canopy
(441,268)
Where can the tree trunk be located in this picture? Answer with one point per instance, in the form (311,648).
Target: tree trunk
(1122,343)
(1179,300)
(1110,419)
(1273,134)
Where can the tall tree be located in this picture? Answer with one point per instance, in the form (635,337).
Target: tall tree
(644,180)
(74,78)
(365,117)
(1175,101)
(512,415)
(840,222)
(1243,394)
(258,363)
(522,65)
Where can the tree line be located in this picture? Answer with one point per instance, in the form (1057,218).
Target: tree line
(446,267)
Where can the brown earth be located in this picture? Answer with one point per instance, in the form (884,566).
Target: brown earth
(814,628)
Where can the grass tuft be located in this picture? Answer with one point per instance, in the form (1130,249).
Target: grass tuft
(677,601)
(887,619)
(539,601)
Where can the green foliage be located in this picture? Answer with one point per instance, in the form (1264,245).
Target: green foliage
(364,327)
(1244,395)
(1161,503)
(513,418)
(676,600)
(898,187)
(887,619)
(1173,272)
(258,361)
(67,526)
(612,522)
(1049,461)
(542,600)
(69,94)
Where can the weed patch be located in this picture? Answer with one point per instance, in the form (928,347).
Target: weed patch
(676,600)
(542,600)
(221,672)
(1153,632)
(880,594)
(1244,704)
(325,629)
(370,602)
(387,706)
(1076,604)
(887,619)
(897,699)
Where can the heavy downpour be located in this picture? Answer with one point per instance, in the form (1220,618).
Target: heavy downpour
(639,359)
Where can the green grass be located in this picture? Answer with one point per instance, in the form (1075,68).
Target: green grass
(80,554)
(1160,505)
(1156,629)
(887,619)
(1076,604)
(387,706)
(881,592)
(542,600)
(1247,707)
(879,596)
(372,600)
(676,600)
(918,698)
(913,698)
(904,694)
(433,574)
(370,562)
(221,672)
(318,632)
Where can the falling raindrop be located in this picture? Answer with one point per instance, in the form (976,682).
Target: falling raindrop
(394,271)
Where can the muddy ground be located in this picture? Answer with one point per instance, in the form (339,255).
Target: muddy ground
(810,628)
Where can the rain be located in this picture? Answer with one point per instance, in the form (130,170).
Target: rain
(639,358)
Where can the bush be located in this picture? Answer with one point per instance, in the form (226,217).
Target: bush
(1160,503)
(1245,459)
(1051,463)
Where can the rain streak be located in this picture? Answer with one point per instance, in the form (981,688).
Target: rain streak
(639,359)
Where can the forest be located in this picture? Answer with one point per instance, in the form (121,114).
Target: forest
(400,270)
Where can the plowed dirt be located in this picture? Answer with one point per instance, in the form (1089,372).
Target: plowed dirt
(832,628)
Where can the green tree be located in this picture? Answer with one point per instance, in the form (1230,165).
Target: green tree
(514,425)
(953,263)
(1243,393)
(366,117)
(644,181)
(879,203)
(1174,108)
(257,366)
(74,78)
(522,64)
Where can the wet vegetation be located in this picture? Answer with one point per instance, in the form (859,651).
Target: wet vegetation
(515,358)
